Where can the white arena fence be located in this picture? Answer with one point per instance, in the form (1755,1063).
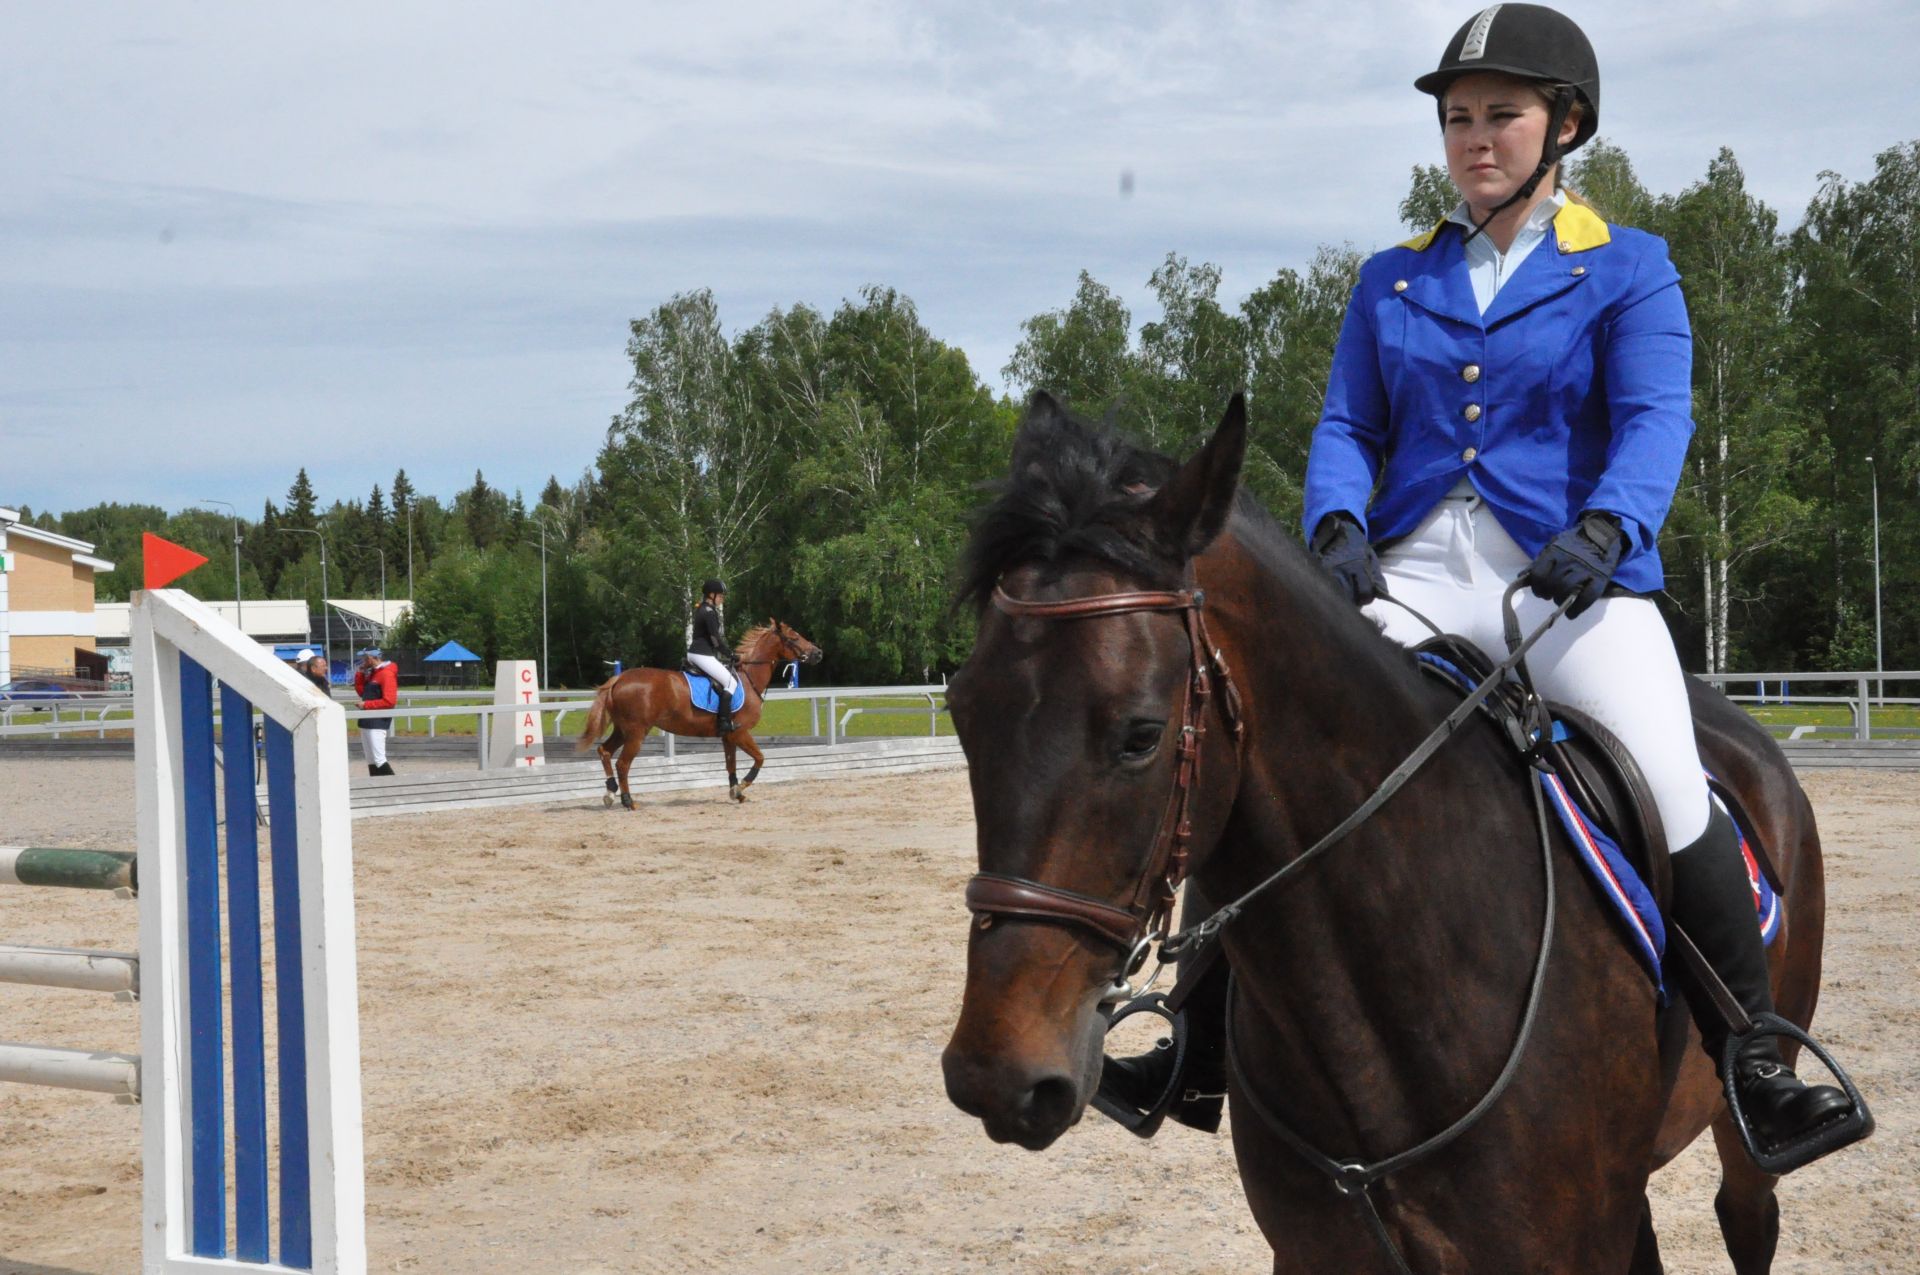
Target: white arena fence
(210,1148)
(832,711)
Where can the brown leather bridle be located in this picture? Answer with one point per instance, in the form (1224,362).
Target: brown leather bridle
(1134,926)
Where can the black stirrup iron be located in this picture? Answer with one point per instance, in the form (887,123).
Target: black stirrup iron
(1146,1122)
(1783,1158)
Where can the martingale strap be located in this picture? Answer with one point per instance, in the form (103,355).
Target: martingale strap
(991,894)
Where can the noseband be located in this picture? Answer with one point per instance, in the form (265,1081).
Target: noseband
(1134,926)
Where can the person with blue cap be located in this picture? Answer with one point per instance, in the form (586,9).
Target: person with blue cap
(377,683)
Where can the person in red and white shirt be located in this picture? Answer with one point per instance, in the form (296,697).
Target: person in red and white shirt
(377,683)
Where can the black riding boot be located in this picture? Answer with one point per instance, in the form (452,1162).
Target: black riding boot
(1138,1091)
(723,712)
(1713,902)
(1194,1095)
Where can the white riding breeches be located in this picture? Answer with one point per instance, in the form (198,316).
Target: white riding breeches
(1616,663)
(373,743)
(713,668)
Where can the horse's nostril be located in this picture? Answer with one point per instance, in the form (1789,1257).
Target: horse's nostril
(1050,1104)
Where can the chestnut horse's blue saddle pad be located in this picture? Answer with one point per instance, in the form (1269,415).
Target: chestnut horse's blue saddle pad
(706,698)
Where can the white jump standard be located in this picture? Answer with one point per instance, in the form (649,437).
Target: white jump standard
(306,1123)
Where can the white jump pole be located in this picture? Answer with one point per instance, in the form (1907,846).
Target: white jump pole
(83,970)
(95,1071)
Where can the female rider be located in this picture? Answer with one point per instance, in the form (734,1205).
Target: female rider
(708,651)
(1510,396)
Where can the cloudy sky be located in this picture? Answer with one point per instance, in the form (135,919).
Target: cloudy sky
(236,238)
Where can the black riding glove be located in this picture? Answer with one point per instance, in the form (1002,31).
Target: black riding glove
(1343,550)
(1579,562)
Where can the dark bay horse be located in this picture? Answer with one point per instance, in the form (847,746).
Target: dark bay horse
(1379,995)
(641,698)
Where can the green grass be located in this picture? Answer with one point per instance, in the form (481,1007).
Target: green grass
(1832,716)
(782,717)
(794,717)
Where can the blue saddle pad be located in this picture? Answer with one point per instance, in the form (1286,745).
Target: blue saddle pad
(1619,882)
(706,698)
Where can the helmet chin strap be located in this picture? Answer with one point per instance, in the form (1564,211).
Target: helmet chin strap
(1549,156)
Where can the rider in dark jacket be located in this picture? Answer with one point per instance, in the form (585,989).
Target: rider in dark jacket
(708,651)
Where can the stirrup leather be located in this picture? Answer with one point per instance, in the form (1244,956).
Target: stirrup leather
(1823,1139)
(1145,1123)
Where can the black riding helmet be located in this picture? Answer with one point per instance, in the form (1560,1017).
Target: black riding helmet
(1534,43)
(712,586)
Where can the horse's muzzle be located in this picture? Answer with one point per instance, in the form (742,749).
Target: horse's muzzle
(1028,1106)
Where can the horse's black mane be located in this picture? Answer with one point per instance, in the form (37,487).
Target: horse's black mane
(1077,489)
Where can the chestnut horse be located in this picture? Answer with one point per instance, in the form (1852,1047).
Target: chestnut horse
(641,698)
(1377,997)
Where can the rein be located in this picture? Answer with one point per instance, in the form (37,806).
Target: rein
(1134,927)
(1195,937)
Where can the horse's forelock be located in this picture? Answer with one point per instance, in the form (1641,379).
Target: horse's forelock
(1075,489)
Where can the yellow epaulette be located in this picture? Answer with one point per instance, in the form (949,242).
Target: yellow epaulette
(1579,228)
(1420,241)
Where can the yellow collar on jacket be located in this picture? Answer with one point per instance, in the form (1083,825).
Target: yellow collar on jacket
(1576,227)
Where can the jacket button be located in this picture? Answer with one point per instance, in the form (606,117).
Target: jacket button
(1399,285)
(1473,411)
(1565,246)
(1469,454)
(1579,270)
(1470,373)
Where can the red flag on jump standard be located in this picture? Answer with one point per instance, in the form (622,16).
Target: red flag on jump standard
(164,561)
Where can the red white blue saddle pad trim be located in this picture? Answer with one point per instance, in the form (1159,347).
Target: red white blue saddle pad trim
(1769,906)
(1620,885)
(1632,902)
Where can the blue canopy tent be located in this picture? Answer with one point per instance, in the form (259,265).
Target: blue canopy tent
(461,665)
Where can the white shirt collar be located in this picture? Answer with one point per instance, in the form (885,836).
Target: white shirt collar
(1538,220)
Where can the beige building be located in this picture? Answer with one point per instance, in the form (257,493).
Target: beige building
(46,598)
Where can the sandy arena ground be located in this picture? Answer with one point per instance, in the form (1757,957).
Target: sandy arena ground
(707,1039)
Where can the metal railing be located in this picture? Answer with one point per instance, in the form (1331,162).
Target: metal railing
(98,712)
(1869,693)
(431,707)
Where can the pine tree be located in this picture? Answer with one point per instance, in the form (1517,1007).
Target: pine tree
(301,506)
(483,511)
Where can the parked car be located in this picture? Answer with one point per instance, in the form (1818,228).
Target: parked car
(33,690)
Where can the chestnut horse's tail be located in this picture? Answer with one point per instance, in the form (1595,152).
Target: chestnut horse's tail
(597,716)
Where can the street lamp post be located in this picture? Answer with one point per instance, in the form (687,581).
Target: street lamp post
(1879,665)
(326,615)
(545,675)
(385,620)
(239,618)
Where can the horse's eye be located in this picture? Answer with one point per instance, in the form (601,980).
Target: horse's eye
(1141,739)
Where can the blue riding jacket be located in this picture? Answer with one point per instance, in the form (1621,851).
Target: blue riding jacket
(1573,391)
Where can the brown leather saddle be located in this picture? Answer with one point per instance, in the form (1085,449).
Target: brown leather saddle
(1603,778)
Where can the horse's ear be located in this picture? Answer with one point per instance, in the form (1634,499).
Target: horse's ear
(1043,408)
(1193,505)
(1038,429)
